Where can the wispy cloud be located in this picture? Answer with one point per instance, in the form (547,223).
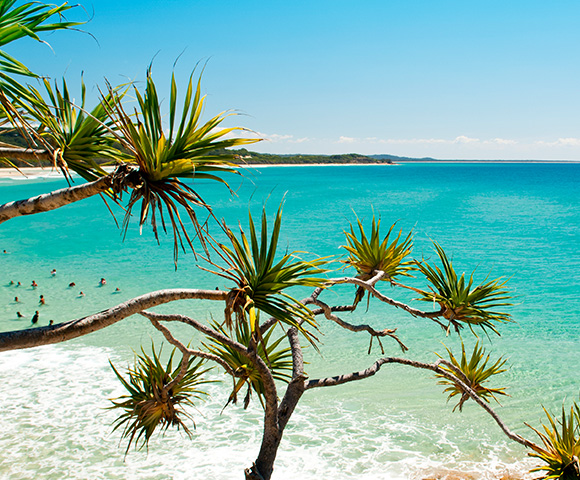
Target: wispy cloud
(459,140)
(561,142)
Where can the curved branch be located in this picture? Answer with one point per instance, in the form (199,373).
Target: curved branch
(360,328)
(82,326)
(434,367)
(54,200)
(269,385)
(187,352)
(383,298)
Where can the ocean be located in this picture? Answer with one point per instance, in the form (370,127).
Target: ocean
(518,221)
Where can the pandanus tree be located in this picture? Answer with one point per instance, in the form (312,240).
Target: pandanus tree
(259,341)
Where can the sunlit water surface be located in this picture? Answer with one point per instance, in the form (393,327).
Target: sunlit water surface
(517,221)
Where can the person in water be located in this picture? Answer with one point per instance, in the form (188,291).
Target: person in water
(102,282)
(72,284)
(41,301)
(16,300)
(51,323)
(34,284)
(53,272)
(19,315)
(35,318)
(82,294)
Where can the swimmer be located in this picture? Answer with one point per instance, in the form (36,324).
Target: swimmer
(53,272)
(34,284)
(19,315)
(18,284)
(35,318)
(41,301)
(117,289)
(51,323)
(4,251)
(81,294)
(72,284)
(102,282)
(11,282)
(16,299)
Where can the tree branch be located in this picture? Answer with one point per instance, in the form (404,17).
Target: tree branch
(54,200)
(360,328)
(25,154)
(383,298)
(272,431)
(76,328)
(435,367)
(187,352)
(295,388)
(269,385)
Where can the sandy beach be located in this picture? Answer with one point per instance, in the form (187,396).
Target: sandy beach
(25,172)
(28,172)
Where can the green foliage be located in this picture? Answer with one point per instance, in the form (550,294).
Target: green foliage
(149,404)
(367,255)
(476,372)
(76,138)
(185,152)
(459,301)
(279,360)
(26,20)
(251,158)
(561,440)
(16,22)
(261,279)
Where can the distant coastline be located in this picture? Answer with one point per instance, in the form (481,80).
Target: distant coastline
(249,159)
(40,172)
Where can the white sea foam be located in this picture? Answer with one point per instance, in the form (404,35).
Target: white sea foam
(56,427)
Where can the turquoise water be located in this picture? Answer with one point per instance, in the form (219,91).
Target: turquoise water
(518,221)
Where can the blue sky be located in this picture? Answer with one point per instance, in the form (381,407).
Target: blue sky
(448,79)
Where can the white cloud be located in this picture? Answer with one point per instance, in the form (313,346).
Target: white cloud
(502,141)
(274,137)
(464,139)
(561,142)
(459,140)
(346,140)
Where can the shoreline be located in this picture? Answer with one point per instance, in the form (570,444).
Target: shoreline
(26,172)
(36,172)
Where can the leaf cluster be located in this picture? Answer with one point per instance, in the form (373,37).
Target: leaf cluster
(279,360)
(459,300)
(164,157)
(75,137)
(26,20)
(475,372)
(561,452)
(371,254)
(149,404)
(260,278)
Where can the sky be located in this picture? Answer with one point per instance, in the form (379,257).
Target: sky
(478,79)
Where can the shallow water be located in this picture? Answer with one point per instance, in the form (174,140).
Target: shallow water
(519,221)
